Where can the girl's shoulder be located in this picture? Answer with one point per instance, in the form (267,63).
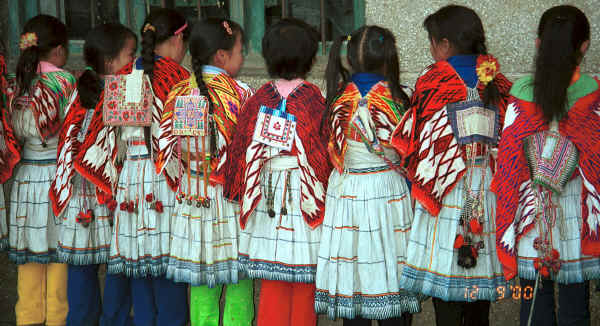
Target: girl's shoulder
(523,88)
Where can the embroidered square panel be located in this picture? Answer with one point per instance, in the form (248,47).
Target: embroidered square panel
(275,127)
(190,116)
(472,122)
(123,107)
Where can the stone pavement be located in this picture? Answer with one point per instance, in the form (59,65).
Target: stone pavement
(504,313)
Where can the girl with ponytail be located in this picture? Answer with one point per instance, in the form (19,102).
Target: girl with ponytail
(141,198)
(546,232)
(36,106)
(85,232)
(204,228)
(367,190)
(448,137)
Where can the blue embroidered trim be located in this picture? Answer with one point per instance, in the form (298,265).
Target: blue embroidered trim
(454,288)
(378,307)
(277,271)
(21,257)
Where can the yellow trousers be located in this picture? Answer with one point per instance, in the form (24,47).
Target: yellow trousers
(42,293)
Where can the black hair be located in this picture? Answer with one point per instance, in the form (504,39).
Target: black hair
(562,31)
(370,49)
(164,23)
(463,29)
(209,36)
(289,48)
(102,44)
(50,33)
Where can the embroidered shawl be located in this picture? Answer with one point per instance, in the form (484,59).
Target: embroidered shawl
(97,158)
(246,158)
(227,96)
(69,141)
(10,149)
(435,161)
(515,207)
(49,95)
(385,112)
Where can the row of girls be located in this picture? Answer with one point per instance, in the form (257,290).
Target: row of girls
(359,205)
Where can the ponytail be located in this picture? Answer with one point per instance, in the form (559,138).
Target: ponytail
(392,69)
(41,34)
(27,65)
(197,67)
(335,69)
(89,88)
(562,31)
(148,45)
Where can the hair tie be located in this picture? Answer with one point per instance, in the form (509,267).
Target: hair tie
(181,29)
(148,27)
(28,40)
(348,38)
(487,68)
(89,68)
(380,38)
(227,28)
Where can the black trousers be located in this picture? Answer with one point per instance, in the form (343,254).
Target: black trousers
(452,313)
(573,304)
(404,320)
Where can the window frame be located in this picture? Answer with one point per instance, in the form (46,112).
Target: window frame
(248,13)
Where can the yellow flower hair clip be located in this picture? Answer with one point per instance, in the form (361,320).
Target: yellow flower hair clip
(28,40)
(148,27)
(487,68)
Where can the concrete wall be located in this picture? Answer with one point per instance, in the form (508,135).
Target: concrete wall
(510,27)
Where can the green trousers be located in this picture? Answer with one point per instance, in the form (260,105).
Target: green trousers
(239,305)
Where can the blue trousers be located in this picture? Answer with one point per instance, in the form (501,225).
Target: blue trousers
(573,304)
(83,294)
(156,302)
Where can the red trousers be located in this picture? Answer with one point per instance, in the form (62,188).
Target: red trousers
(286,304)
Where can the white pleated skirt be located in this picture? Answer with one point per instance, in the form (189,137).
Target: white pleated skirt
(431,266)
(575,267)
(140,242)
(204,241)
(283,247)
(33,228)
(79,244)
(364,241)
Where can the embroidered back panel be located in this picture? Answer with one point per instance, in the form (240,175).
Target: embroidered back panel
(190,115)
(552,159)
(385,114)
(119,110)
(275,127)
(472,122)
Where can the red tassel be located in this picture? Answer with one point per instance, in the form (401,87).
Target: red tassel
(159,206)
(555,254)
(112,205)
(150,197)
(545,272)
(475,226)
(459,241)
(475,253)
